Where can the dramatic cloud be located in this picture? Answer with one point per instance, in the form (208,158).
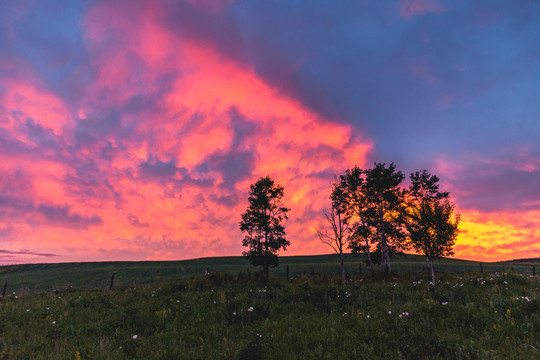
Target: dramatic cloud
(160,161)
(133,130)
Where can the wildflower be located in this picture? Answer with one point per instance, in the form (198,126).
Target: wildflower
(389,312)
(27,310)
(54,322)
(444,303)
(250,309)
(135,337)
(344,313)
(368,316)
(234,313)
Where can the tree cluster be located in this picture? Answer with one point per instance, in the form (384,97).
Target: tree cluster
(385,217)
(370,213)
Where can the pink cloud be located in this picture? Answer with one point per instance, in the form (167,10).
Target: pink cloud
(167,178)
(410,8)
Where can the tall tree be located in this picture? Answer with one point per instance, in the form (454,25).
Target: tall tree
(262,224)
(342,232)
(348,197)
(385,208)
(431,222)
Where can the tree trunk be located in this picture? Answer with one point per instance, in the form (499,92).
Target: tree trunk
(369,258)
(265,256)
(432,274)
(384,249)
(343,279)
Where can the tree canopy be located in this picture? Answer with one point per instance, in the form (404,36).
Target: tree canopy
(262,224)
(431,224)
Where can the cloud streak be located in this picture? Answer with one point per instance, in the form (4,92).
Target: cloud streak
(27,252)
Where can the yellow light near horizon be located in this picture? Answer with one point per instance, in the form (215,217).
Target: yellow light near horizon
(499,235)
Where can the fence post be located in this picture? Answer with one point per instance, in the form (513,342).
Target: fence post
(481,268)
(112,281)
(5,289)
(360,268)
(287,272)
(534,269)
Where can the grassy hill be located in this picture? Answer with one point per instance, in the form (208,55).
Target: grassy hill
(166,313)
(35,277)
(466,316)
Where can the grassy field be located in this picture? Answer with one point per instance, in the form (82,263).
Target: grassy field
(31,278)
(224,316)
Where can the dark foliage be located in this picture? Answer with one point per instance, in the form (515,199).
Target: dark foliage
(262,224)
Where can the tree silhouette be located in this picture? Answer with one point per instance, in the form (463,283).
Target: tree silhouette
(431,222)
(342,232)
(385,206)
(262,224)
(348,197)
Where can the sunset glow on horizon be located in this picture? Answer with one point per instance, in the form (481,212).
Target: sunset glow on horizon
(133,132)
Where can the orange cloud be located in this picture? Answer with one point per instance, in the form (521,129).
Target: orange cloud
(168,180)
(499,235)
(500,230)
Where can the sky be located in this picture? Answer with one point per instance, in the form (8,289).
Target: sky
(132,130)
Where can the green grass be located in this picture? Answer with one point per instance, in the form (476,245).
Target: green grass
(31,278)
(226,316)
